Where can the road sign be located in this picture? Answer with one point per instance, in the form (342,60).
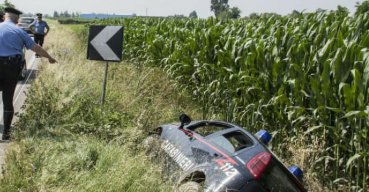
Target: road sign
(105,43)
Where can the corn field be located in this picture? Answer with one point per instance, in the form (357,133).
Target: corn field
(303,75)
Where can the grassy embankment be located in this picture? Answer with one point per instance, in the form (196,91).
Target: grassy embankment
(66,141)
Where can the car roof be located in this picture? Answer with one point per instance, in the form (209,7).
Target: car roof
(194,123)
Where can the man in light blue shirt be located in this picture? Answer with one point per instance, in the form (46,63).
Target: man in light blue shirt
(40,29)
(12,41)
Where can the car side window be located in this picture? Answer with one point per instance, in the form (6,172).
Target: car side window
(233,141)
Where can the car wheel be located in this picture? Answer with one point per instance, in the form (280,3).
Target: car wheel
(190,186)
(23,72)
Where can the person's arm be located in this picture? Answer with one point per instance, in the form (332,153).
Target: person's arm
(30,44)
(32,26)
(47,30)
(40,51)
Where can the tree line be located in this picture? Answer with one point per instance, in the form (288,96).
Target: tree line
(220,8)
(65,14)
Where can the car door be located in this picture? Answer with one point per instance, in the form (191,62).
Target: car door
(177,143)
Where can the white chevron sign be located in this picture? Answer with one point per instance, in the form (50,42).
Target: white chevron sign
(104,46)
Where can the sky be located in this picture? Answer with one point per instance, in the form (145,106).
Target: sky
(175,7)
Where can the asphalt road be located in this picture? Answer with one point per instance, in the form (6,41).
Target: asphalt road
(19,98)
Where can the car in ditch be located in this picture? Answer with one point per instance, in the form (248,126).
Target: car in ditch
(219,156)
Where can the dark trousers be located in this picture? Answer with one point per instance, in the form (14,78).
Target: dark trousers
(9,71)
(39,39)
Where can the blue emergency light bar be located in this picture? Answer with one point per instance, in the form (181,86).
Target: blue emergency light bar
(296,171)
(263,136)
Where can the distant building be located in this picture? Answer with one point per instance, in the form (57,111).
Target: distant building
(103,16)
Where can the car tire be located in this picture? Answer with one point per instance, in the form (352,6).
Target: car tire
(190,186)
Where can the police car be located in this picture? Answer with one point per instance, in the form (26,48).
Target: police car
(25,22)
(219,156)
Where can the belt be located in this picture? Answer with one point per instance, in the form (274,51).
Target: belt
(10,58)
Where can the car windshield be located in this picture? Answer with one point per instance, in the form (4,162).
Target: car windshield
(233,141)
(26,20)
(276,179)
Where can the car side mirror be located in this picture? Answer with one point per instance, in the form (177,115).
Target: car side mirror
(185,120)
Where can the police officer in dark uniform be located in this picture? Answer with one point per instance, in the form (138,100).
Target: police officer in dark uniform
(12,41)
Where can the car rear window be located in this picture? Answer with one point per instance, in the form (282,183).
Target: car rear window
(276,179)
(233,141)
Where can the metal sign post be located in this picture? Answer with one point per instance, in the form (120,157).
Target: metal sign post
(104,83)
(105,43)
